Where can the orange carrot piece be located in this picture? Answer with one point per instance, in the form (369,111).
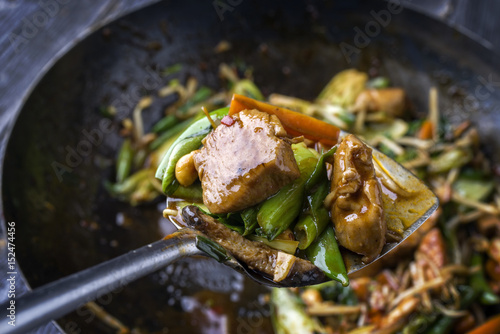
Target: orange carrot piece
(427,130)
(296,124)
(491,326)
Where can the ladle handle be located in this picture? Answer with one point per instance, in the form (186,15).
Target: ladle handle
(58,298)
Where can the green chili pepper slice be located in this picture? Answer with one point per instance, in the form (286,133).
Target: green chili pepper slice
(479,283)
(325,254)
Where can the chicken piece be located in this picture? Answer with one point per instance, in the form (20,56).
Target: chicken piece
(390,100)
(244,163)
(356,203)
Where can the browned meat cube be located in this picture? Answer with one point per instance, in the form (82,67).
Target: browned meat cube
(244,163)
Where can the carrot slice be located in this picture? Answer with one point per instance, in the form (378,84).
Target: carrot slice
(426,131)
(296,124)
(491,326)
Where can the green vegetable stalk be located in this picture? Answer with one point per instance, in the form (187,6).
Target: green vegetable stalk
(188,141)
(249,217)
(192,192)
(319,173)
(444,324)
(289,316)
(325,254)
(450,159)
(165,123)
(277,213)
(124,162)
(479,283)
(316,218)
(169,133)
(314,221)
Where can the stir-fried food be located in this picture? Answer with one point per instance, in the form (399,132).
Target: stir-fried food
(263,172)
(356,201)
(308,198)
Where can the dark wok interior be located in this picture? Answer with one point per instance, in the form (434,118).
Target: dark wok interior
(68,224)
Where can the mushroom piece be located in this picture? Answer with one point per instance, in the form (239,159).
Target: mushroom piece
(284,268)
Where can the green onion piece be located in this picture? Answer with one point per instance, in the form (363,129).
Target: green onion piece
(124,161)
(248,88)
(312,223)
(474,189)
(319,172)
(450,159)
(479,283)
(166,135)
(444,324)
(288,314)
(129,184)
(211,248)
(165,123)
(249,217)
(278,212)
(201,95)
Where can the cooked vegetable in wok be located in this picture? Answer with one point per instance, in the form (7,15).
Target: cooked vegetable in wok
(443,278)
(260,167)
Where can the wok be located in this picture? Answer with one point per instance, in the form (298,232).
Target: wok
(68,222)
